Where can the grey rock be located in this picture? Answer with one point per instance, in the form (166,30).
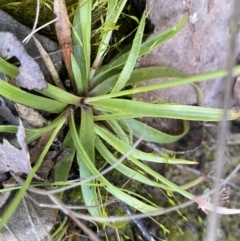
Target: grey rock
(9,24)
(6,113)
(201,46)
(20,228)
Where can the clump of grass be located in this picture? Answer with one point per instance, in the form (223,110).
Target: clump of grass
(108,117)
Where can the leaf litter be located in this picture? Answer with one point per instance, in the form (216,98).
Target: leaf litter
(13,159)
(30,76)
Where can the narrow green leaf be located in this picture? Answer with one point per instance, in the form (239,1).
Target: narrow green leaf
(122,147)
(62,168)
(96,81)
(87,131)
(146,47)
(154,72)
(19,96)
(200,95)
(114,116)
(132,57)
(33,134)
(9,129)
(82,39)
(77,75)
(61,230)
(182,81)
(86,135)
(60,95)
(14,204)
(8,69)
(150,134)
(118,130)
(195,182)
(130,173)
(183,112)
(114,9)
(167,184)
(86,27)
(163,85)
(78,47)
(142,207)
(137,76)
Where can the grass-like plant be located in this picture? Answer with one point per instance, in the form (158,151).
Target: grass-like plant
(109,117)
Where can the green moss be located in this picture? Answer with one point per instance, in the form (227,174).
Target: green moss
(25,13)
(76,195)
(186,236)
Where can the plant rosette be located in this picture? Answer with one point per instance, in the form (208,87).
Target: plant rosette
(107,117)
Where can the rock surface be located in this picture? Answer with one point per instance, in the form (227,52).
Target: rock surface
(7,23)
(201,46)
(19,227)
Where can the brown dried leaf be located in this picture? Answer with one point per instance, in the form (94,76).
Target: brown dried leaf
(13,159)
(63,31)
(47,165)
(30,75)
(49,64)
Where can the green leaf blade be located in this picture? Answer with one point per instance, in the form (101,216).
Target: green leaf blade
(132,57)
(8,69)
(116,192)
(114,10)
(130,173)
(137,76)
(146,47)
(17,199)
(183,112)
(60,95)
(82,39)
(22,97)
(122,147)
(150,134)
(118,130)
(167,184)
(77,75)
(86,134)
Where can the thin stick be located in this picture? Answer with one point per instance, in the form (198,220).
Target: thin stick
(161,211)
(33,209)
(97,175)
(72,216)
(196,172)
(30,219)
(213,218)
(36,30)
(49,64)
